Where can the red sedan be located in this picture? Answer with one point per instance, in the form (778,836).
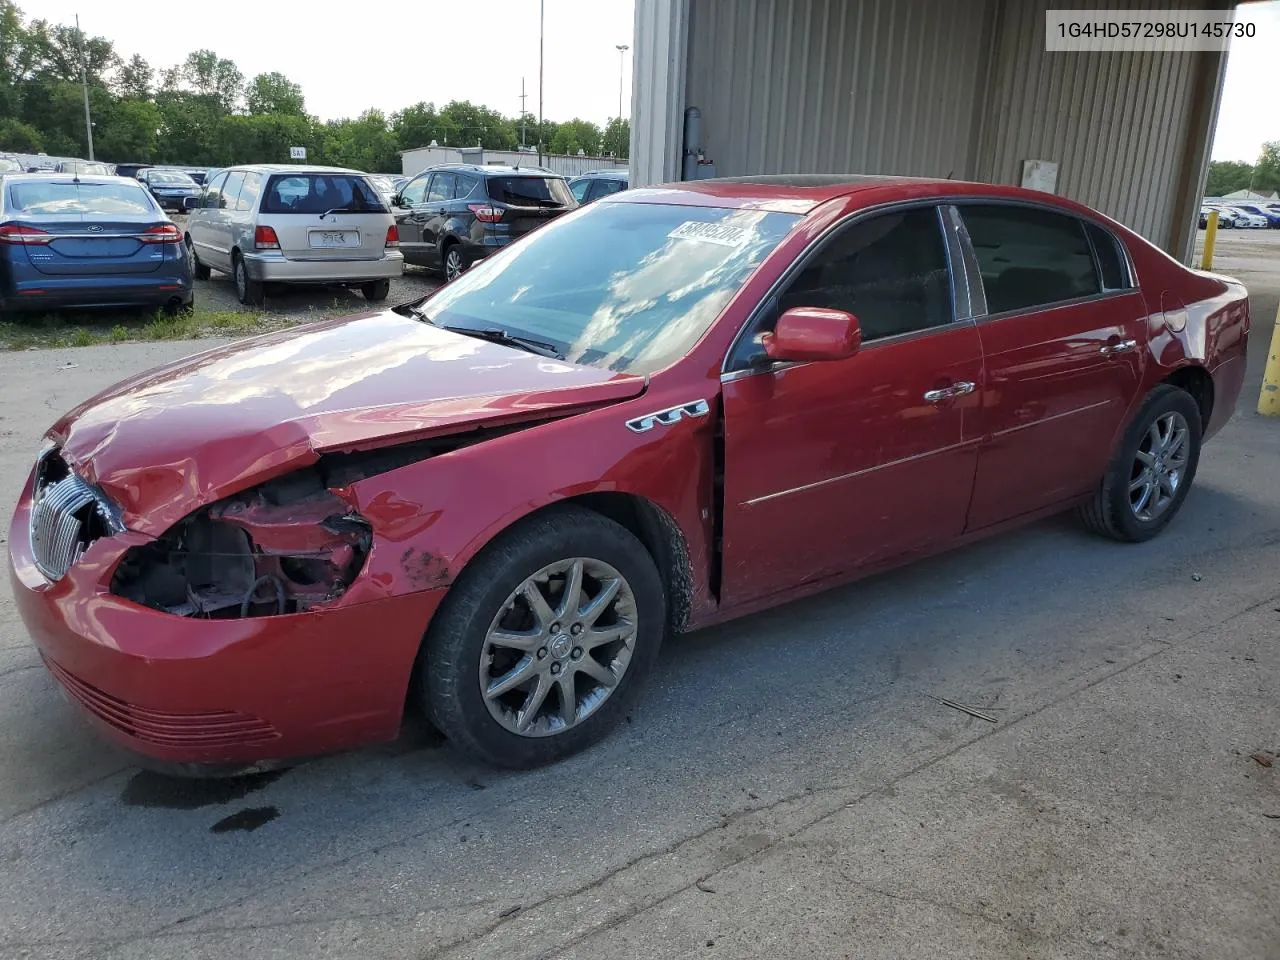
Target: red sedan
(669,408)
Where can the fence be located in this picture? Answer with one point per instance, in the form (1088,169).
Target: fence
(415,161)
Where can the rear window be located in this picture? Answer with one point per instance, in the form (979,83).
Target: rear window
(320,193)
(530,191)
(51,197)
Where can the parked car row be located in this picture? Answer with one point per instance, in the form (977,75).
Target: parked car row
(1244,216)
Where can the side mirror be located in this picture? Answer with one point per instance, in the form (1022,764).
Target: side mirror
(190,203)
(397,201)
(813,333)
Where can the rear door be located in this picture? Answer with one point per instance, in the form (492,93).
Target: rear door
(529,200)
(202,227)
(1065,340)
(326,216)
(94,228)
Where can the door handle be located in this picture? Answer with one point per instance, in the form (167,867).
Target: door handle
(946,393)
(1111,349)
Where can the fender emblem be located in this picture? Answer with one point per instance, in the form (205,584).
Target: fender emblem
(694,408)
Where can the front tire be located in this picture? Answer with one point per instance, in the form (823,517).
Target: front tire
(248,291)
(1151,473)
(198,270)
(545,640)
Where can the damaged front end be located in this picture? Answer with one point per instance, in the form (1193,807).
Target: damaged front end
(282,547)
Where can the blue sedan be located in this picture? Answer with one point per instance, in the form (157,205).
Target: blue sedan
(87,242)
(170,187)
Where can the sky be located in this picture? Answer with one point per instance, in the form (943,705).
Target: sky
(398,54)
(348,57)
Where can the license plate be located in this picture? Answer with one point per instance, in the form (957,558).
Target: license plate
(335,238)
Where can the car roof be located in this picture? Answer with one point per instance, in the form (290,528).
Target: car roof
(499,169)
(67,177)
(801,193)
(289,168)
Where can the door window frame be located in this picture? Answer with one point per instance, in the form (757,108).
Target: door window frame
(213,191)
(970,258)
(738,363)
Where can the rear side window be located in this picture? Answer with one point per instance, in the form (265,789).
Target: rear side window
(579,189)
(52,198)
(231,190)
(530,191)
(1029,257)
(464,187)
(320,193)
(249,192)
(889,271)
(1111,263)
(603,188)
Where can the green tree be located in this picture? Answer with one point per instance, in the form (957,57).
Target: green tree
(56,50)
(264,138)
(617,138)
(133,79)
(416,126)
(127,130)
(1227,176)
(20,137)
(1266,175)
(274,93)
(575,135)
(466,124)
(207,73)
(365,143)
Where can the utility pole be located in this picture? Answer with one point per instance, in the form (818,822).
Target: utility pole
(622,57)
(84,84)
(542,16)
(523,112)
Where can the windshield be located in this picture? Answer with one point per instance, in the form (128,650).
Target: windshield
(9,166)
(627,286)
(169,177)
(57,197)
(88,167)
(320,193)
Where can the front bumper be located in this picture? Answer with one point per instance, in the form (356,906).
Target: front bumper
(217,692)
(273,267)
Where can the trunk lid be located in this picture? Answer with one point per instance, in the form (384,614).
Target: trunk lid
(87,246)
(528,201)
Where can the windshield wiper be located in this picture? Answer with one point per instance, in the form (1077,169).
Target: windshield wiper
(495,335)
(341,210)
(492,334)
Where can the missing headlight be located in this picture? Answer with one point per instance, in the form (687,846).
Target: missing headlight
(282,547)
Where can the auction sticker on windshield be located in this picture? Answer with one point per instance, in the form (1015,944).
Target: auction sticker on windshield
(723,234)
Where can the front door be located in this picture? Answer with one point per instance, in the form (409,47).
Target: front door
(832,466)
(433,214)
(1064,340)
(409,216)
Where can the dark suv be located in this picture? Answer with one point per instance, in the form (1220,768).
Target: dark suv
(453,215)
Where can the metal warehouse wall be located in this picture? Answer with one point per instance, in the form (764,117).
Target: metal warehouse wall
(1129,131)
(837,86)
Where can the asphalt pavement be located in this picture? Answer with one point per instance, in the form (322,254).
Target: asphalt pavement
(789,786)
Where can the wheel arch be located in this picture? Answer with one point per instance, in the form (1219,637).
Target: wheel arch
(1198,382)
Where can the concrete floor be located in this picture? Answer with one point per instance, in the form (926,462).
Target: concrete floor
(787,788)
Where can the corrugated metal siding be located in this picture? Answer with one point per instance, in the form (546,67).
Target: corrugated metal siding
(657,90)
(837,86)
(1118,124)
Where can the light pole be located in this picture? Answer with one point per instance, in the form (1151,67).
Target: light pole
(622,56)
(84,86)
(542,19)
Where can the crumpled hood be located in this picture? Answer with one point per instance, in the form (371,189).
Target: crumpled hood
(171,440)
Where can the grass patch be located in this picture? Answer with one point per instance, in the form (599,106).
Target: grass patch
(86,330)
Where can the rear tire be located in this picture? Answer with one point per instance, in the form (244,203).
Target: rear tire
(1134,501)
(465,656)
(198,269)
(452,259)
(376,290)
(248,291)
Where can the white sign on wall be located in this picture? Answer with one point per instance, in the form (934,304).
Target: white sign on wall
(297,153)
(1040,175)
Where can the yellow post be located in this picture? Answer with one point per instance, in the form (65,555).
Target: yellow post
(1269,399)
(1210,235)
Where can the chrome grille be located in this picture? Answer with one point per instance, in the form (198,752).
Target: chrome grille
(62,521)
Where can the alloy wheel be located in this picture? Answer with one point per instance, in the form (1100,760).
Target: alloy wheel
(558,647)
(1159,466)
(452,264)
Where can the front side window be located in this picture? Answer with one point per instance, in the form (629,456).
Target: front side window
(248,198)
(213,191)
(889,271)
(1029,257)
(231,190)
(624,286)
(603,188)
(579,189)
(414,192)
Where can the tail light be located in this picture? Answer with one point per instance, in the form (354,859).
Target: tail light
(264,238)
(485,213)
(12,233)
(162,233)
(393,236)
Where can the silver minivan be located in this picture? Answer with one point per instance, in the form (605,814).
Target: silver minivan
(276,223)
